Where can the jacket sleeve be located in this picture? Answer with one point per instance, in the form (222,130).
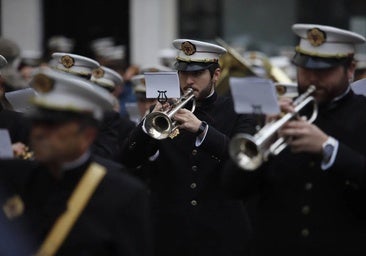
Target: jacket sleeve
(137,148)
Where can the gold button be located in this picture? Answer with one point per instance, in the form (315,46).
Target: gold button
(193,185)
(194,168)
(132,145)
(194,152)
(305,209)
(305,232)
(194,202)
(308,186)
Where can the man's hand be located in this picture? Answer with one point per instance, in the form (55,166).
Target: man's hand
(303,136)
(187,120)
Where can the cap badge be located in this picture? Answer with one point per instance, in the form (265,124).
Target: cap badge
(42,83)
(316,37)
(13,207)
(98,73)
(281,90)
(188,48)
(67,61)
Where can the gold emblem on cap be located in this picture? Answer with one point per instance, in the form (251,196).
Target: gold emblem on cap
(67,61)
(13,207)
(281,90)
(42,83)
(316,37)
(98,73)
(188,48)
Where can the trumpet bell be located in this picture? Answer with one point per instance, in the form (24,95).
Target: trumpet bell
(245,152)
(249,152)
(158,125)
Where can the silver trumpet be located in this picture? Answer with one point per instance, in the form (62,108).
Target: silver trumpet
(249,152)
(159,125)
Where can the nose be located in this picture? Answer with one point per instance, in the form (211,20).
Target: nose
(312,76)
(37,132)
(188,79)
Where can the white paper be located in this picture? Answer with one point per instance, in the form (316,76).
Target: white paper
(254,95)
(167,83)
(359,86)
(6,150)
(20,99)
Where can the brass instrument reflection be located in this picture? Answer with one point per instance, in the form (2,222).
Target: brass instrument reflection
(233,64)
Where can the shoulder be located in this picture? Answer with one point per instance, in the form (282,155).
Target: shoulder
(118,176)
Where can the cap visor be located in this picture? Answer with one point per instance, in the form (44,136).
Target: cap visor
(307,61)
(191,66)
(3,61)
(54,117)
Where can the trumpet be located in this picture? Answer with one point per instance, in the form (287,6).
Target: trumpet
(249,152)
(159,125)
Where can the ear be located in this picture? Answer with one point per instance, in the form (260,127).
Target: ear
(89,134)
(216,75)
(351,71)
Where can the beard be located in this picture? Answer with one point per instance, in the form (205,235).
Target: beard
(205,92)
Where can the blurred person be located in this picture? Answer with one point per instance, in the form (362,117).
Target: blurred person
(11,77)
(69,201)
(58,43)
(106,143)
(16,123)
(360,72)
(309,199)
(191,214)
(29,60)
(139,88)
(109,79)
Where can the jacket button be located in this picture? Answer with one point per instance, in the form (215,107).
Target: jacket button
(194,152)
(194,168)
(193,185)
(308,186)
(194,202)
(305,232)
(305,209)
(132,145)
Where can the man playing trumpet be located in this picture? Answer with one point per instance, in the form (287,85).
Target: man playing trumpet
(191,214)
(308,198)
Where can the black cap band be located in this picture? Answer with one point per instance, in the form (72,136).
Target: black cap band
(307,61)
(192,66)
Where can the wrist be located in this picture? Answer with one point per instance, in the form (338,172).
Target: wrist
(201,128)
(328,148)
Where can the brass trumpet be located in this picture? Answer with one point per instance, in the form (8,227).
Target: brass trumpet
(159,125)
(249,152)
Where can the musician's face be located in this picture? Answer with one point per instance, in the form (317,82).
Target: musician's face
(59,143)
(200,81)
(329,83)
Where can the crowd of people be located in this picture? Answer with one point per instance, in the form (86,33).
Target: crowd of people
(88,179)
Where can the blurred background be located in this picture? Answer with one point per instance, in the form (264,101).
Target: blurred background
(141,31)
(132,36)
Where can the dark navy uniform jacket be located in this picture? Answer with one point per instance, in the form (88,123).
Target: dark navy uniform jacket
(299,209)
(191,214)
(113,130)
(115,221)
(17,125)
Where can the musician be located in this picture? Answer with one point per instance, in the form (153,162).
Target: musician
(191,214)
(107,143)
(69,201)
(109,79)
(16,123)
(304,201)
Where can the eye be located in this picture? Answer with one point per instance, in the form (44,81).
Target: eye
(197,73)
